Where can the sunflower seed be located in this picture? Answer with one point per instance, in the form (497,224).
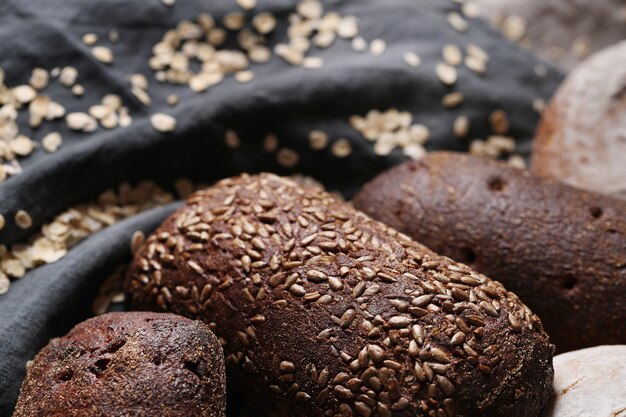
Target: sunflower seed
(136,241)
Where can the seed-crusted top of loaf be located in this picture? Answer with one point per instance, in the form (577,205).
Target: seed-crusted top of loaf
(324,311)
(128,364)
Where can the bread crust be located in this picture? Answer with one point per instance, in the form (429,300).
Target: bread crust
(561,250)
(128,364)
(325,312)
(581,139)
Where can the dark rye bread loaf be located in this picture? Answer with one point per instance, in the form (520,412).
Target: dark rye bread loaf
(562,250)
(324,312)
(581,140)
(128,364)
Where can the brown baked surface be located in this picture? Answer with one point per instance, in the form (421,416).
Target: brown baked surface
(323,311)
(563,32)
(127,364)
(561,250)
(581,140)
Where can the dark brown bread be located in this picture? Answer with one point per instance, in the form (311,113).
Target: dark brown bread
(128,364)
(325,312)
(562,250)
(581,140)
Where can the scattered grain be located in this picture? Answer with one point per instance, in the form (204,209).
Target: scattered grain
(461,126)
(52,142)
(457,22)
(90,39)
(23,219)
(162,122)
(78,90)
(232,139)
(377,47)
(244,76)
(412,59)
(102,54)
(451,100)
(446,73)
(341,148)
(68,76)
(318,140)
(81,121)
(288,158)
(39,79)
(247,4)
(452,55)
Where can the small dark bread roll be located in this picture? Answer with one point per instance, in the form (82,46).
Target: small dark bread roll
(581,140)
(325,312)
(562,250)
(128,364)
(563,32)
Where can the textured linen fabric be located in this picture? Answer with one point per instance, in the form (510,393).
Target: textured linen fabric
(282,99)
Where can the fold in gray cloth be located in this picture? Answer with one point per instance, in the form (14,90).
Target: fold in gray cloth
(284,100)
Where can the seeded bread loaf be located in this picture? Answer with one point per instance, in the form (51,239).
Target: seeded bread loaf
(590,382)
(128,364)
(561,250)
(324,312)
(581,140)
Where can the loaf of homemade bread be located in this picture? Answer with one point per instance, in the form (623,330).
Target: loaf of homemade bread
(590,382)
(581,140)
(561,250)
(324,312)
(128,364)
